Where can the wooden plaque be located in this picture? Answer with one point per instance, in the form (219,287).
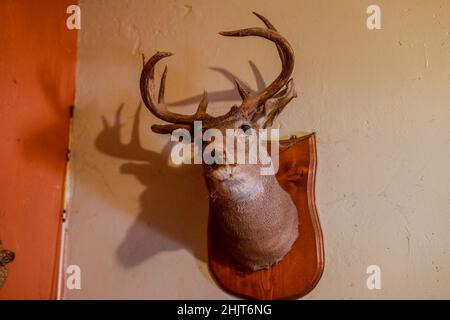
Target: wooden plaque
(300,270)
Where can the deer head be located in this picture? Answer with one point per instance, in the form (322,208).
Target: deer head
(258,220)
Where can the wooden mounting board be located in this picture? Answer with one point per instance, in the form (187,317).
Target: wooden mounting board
(300,270)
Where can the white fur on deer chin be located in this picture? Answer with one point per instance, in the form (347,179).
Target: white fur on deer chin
(223,173)
(236,184)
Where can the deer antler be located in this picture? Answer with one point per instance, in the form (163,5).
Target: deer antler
(251,103)
(158,108)
(271,27)
(271,97)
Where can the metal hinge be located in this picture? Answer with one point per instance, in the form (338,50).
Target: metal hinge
(6,256)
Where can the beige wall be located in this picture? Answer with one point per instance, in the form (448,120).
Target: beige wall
(378,100)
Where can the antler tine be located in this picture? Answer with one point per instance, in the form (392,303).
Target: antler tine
(286,56)
(243,89)
(201,110)
(162,86)
(270,26)
(158,108)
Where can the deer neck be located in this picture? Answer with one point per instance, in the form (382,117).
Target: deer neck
(258,219)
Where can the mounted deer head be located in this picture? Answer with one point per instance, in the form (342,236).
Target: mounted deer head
(258,219)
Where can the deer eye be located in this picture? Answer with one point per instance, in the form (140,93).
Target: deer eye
(245,127)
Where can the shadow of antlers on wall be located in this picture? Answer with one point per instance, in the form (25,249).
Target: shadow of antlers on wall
(174,205)
(44,141)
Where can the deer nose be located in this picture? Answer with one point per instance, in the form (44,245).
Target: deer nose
(216,166)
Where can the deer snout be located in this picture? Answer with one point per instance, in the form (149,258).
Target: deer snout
(218,155)
(216,166)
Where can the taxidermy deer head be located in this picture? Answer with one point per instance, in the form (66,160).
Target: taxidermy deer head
(258,219)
